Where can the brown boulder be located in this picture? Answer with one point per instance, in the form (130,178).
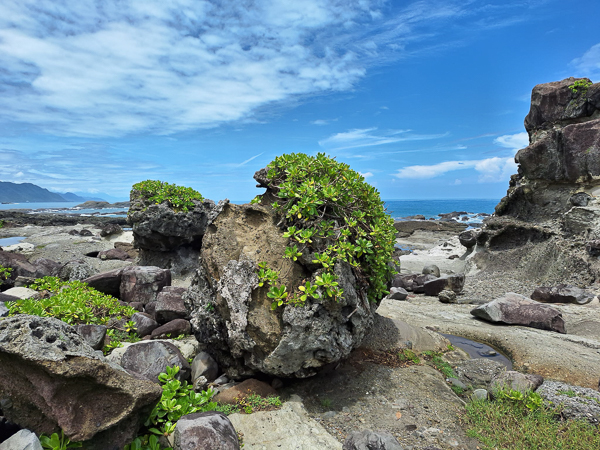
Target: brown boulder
(143,283)
(234,394)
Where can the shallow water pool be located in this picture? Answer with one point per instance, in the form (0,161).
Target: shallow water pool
(478,350)
(5,242)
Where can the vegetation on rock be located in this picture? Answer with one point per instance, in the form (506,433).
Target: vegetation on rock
(5,272)
(332,214)
(179,198)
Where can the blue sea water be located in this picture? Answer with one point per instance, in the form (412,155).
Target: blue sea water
(399,209)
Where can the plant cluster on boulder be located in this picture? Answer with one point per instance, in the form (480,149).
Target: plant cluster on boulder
(290,283)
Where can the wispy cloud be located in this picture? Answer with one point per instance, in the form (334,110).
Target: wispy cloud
(250,159)
(588,64)
(490,170)
(368,137)
(322,122)
(513,141)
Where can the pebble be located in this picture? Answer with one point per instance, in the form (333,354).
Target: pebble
(480,394)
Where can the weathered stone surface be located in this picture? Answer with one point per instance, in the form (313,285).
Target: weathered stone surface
(431,269)
(143,283)
(479,372)
(556,102)
(515,380)
(407,227)
(233,316)
(515,309)
(233,395)
(46,267)
(447,296)
(371,440)
(151,358)
(577,402)
(290,428)
(76,270)
(127,248)
(93,335)
(110,229)
(580,199)
(468,238)
(113,254)
(173,328)
(583,220)
(398,293)
(106,282)
(22,292)
(208,430)
(22,440)
(144,323)
(205,366)
(19,264)
(51,377)
(562,293)
(170,305)
(454,283)
(412,282)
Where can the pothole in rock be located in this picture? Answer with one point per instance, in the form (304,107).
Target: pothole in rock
(478,350)
(92,254)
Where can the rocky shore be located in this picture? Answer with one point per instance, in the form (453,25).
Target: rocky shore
(351,374)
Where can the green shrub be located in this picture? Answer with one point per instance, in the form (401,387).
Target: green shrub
(56,442)
(178,198)
(5,273)
(580,86)
(330,210)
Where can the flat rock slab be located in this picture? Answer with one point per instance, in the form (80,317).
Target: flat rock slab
(289,428)
(566,357)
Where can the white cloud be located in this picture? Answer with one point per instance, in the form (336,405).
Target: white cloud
(589,64)
(367,137)
(513,141)
(119,67)
(321,122)
(366,174)
(490,170)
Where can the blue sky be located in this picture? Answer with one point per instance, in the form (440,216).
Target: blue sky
(425,98)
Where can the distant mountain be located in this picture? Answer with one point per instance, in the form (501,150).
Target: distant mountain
(26,192)
(70,197)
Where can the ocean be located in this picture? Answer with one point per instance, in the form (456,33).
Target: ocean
(398,209)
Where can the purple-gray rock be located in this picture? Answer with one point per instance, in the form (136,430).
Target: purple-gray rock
(113,254)
(143,283)
(205,366)
(454,283)
(150,358)
(110,229)
(207,430)
(172,329)
(515,309)
(144,323)
(562,293)
(107,282)
(93,334)
(431,269)
(169,305)
(517,381)
(397,293)
(371,440)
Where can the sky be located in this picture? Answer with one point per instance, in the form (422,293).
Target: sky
(426,99)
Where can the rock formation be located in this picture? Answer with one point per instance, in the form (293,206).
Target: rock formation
(550,211)
(233,315)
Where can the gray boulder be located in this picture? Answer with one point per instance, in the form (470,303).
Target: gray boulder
(144,323)
(149,359)
(76,270)
(478,372)
(577,402)
(208,430)
(412,282)
(170,305)
(562,293)
(516,381)
(113,254)
(371,440)
(22,440)
(173,328)
(431,269)
(65,376)
(205,366)
(447,296)
(468,238)
(143,283)
(454,283)
(106,282)
(515,309)
(397,293)
(93,334)
(110,229)
(233,316)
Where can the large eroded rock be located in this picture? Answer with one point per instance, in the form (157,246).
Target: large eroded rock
(50,379)
(233,316)
(515,309)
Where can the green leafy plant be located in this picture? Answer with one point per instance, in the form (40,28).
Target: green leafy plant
(580,86)
(179,198)
(331,213)
(56,442)
(435,359)
(5,273)
(1,223)
(147,442)
(407,355)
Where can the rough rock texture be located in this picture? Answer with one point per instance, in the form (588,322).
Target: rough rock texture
(106,282)
(143,283)
(22,440)
(170,239)
(578,402)
(551,208)
(562,294)
(479,372)
(150,359)
(76,270)
(517,381)
(515,309)
(205,366)
(169,305)
(371,440)
(92,334)
(240,391)
(173,328)
(49,376)
(454,283)
(233,316)
(144,323)
(209,430)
